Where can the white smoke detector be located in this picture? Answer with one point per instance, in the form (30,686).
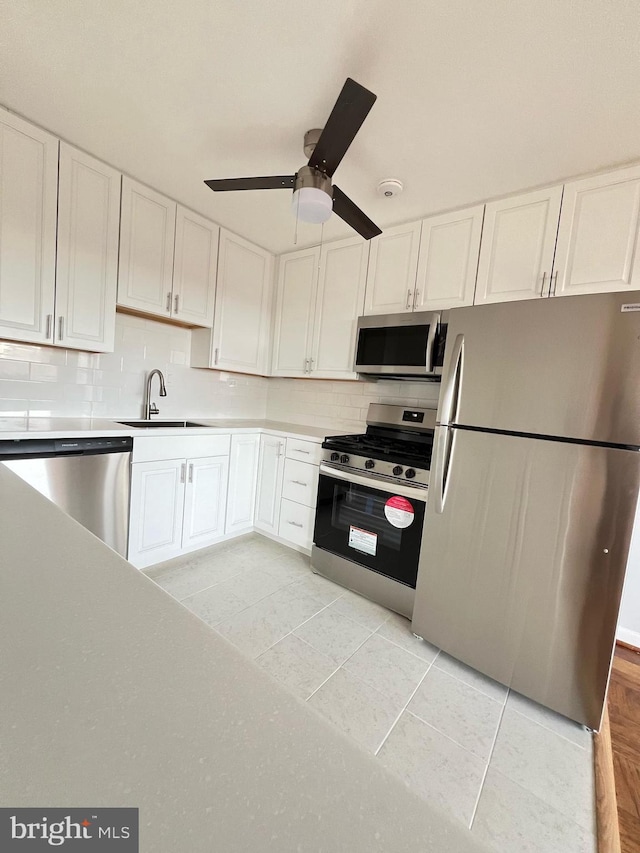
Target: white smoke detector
(390,187)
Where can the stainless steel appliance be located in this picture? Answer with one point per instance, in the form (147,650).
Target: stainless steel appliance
(372,494)
(404,346)
(533,494)
(88,478)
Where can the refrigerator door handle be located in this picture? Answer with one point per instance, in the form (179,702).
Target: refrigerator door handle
(444,443)
(451,385)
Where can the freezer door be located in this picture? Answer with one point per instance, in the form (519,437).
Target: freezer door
(563,367)
(522,563)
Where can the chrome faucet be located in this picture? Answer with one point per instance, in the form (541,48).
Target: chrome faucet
(149,408)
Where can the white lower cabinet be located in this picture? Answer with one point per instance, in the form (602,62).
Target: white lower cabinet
(177,505)
(205,501)
(157,504)
(296,523)
(243,479)
(270,474)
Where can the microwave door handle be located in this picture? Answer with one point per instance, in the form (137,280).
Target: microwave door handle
(450,394)
(431,344)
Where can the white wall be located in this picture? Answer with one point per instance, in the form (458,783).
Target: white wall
(334,405)
(54,382)
(629,619)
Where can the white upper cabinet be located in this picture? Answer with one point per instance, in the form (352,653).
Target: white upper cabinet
(393,265)
(194,268)
(87,262)
(339,300)
(597,247)
(448,260)
(295,306)
(28,198)
(518,242)
(242,324)
(147,232)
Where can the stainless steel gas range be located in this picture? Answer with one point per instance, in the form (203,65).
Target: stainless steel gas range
(372,496)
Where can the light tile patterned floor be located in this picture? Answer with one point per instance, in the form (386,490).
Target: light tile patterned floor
(519,775)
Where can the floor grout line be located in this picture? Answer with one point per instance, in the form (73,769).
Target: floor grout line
(341,664)
(486,770)
(403,709)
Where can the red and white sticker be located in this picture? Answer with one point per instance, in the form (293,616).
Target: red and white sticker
(399,511)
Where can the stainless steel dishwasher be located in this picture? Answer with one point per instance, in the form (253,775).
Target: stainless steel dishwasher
(88,478)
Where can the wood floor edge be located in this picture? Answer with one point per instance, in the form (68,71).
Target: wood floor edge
(627,646)
(606,802)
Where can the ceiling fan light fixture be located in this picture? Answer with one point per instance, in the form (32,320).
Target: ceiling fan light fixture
(312,196)
(311,204)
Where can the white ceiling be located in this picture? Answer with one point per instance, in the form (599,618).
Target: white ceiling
(476,98)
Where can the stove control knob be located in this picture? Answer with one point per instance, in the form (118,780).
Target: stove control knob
(410,473)
(369,463)
(397,470)
(335,457)
(344,459)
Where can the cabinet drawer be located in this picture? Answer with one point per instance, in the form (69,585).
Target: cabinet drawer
(303,451)
(296,523)
(152,448)
(300,482)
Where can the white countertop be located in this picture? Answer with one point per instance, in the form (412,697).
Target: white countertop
(16,428)
(113,694)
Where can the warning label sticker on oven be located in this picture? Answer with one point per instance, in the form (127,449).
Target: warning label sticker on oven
(399,511)
(362,540)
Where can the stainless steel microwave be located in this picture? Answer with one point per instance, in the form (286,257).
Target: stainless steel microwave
(402,346)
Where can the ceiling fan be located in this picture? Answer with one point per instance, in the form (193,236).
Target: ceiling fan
(314,196)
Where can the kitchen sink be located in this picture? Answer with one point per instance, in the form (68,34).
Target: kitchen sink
(147,424)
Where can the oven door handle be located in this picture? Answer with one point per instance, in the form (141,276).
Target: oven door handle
(373,482)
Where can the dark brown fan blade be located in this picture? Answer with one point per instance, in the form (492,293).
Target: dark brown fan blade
(353,216)
(347,115)
(271,182)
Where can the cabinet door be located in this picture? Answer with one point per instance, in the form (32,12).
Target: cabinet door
(157,503)
(598,236)
(448,262)
(205,501)
(270,472)
(243,477)
(295,304)
(147,231)
(28,198)
(87,262)
(518,242)
(393,265)
(243,306)
(341,286)
(194,268)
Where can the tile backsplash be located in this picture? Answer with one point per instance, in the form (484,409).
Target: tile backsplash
(42,381)
(39,381)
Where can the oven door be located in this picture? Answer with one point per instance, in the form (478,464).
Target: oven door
(369,521)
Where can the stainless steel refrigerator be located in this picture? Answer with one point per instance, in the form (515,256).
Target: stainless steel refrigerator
(533,493)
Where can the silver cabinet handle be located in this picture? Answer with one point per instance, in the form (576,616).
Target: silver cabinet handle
(60,328)
(408,305)
(47,334)
(191,472)
(544,278)
(215,355)
(553,283)
(416,294)
(306,366)
(169,301)
(183,471)
(295,450)
(311,363)
(176,301)
(280,446)
(299,483)
(295,523)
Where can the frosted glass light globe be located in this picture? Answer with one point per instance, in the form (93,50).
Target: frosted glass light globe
(311,204)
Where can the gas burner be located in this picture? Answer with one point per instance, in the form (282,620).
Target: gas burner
(397,445)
